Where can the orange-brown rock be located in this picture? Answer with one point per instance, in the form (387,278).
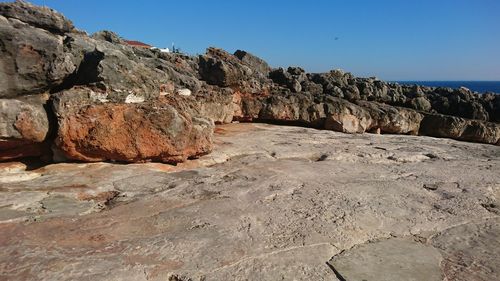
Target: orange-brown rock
(133,132)
(23,128)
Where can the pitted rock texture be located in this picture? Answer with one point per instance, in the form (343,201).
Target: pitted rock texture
(33,60)
(23,121)
(127,132)
(390,259)
(269,203)
(41,17)
(24,127)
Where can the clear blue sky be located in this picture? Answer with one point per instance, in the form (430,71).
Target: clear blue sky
(390,39)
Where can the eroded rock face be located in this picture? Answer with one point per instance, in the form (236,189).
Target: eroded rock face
(32,60)
(220,68)
(23,128)
(41,17)
(216,104)
(461,129)
(346,117)
(115,69)
(256,63)
(392,120)
(90,131)
(21,120)
(43,54)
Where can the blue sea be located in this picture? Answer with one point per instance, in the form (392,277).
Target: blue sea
(478,86)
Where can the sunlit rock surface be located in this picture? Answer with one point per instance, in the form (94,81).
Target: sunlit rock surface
(269,203)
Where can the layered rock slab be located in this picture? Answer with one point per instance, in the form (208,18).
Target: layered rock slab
(279,202)
(389,260)
(460,129)
(470,250)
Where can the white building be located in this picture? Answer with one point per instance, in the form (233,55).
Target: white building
(165,50)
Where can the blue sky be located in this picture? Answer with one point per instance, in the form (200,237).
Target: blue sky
(390,39)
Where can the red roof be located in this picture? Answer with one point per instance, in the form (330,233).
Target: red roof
(137,44)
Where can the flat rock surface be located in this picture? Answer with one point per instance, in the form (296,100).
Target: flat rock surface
(270,203)
(391,259)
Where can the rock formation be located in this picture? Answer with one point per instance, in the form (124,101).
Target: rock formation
(93,98)
(260,201)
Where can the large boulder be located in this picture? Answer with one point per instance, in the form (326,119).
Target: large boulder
(344,116)
(437,125)
(255,63)
(91,129)
(220,68)
(392,120)
(335,77)
(491,103)
(281,108)
(109,36)
(217,67)
(217,104)
(23,128)
(114,68)
(248,107)
(299,109)
(293,78)
(421,104)
(37,16)
(32,60)
(462,103)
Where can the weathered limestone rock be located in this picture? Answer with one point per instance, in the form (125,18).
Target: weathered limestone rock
(32,59)
(98,61)
(220,68)
(278,108)
(491,103)
(24,121)
(43,53)
(23,127)
(93,131)
(247,107)
(343,116)
(40,17)
(281,202)
(108,36)
(391,119)
(257,64)
(470,250)
(389,260)
(437,125)
(421,103)
(292,78)
(216,104)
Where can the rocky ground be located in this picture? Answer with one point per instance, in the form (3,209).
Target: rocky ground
(269,203)
(243,201)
